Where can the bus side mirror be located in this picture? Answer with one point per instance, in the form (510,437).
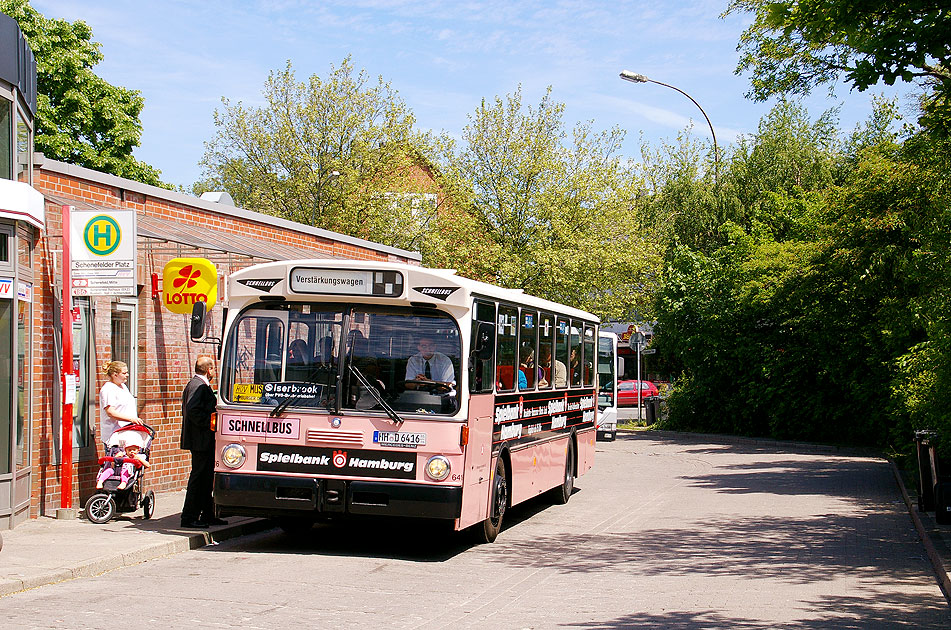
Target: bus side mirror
(198,321)
(484,341)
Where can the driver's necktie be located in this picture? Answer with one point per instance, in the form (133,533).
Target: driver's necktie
(429,372)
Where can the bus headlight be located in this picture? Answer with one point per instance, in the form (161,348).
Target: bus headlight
(233,455)
(437,468)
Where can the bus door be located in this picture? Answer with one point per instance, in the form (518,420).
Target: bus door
(480,421)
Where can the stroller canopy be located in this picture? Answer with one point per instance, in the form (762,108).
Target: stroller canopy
(131,435)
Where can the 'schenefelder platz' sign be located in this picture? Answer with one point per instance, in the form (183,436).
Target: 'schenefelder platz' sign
(102,252)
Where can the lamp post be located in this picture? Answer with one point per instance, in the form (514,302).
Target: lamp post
(634,77)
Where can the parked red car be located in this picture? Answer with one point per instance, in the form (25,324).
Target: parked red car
(627,392)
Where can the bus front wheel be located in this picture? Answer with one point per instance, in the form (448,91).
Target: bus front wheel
(490,528)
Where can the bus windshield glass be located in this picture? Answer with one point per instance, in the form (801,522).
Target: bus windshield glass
(329,356)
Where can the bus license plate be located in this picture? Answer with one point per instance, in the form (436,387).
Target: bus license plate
(401,440)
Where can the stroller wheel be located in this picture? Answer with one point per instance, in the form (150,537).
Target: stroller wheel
(100,508)
(148,504)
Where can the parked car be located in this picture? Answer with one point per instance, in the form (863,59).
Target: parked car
(627,392)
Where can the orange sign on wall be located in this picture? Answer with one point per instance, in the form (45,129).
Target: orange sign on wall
(189,280)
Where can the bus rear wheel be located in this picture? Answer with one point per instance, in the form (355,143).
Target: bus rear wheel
(489,530)
(562,493)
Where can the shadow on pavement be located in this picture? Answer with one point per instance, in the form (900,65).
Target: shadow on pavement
(838,478)
(416,540)
(828,613)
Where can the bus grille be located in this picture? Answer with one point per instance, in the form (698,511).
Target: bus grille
(343,438)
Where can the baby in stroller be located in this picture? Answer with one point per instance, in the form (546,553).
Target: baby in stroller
(127,453)
(131,457)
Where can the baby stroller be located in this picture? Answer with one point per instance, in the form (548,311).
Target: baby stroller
(109,499)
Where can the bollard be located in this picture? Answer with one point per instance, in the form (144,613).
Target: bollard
(67,514)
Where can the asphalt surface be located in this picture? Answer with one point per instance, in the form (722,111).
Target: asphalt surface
(677,531)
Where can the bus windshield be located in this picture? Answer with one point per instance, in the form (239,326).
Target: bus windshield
(328,356)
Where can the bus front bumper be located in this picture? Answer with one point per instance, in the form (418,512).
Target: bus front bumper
(273,496)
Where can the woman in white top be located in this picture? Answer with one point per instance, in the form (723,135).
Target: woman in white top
(116,402)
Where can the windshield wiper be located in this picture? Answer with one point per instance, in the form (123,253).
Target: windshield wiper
(287,402)
(375,393)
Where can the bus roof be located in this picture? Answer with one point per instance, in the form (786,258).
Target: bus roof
(376,281)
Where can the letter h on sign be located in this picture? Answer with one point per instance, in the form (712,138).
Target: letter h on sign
(100,232)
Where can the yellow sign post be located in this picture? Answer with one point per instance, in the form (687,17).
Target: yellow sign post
(189,280)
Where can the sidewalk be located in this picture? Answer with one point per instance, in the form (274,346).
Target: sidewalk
(48,550)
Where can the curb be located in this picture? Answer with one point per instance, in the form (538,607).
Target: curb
(99,566)
(941,575)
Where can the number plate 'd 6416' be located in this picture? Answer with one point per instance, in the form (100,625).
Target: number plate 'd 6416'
(401,440)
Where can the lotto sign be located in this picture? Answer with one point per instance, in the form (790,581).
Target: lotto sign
(189,280)
(102,252)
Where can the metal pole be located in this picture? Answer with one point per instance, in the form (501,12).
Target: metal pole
(640,411)
(68,384)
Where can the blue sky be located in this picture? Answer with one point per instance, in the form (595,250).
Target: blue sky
(442,56)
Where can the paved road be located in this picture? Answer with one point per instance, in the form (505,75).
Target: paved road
(665,532)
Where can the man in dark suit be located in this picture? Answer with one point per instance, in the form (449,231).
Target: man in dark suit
(198,403)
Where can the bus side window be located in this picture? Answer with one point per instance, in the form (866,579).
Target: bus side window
(482,349)
(527,355)
(589,356)
(506,348)
(576,355)
(545,358)
(562,353)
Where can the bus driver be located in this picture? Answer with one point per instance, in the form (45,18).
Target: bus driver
(429,365)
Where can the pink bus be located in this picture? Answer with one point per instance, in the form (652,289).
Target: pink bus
(368,388)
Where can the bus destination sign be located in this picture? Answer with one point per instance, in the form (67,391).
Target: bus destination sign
(346,282)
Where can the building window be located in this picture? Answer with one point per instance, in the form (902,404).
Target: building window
(6,139)
(24,150)
(6,249)
(24,378)
(124,339)
(6,382)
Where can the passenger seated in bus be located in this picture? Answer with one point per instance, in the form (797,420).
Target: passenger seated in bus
(575,360)
(427,365)
(557,372)
(297,353)
(526,367)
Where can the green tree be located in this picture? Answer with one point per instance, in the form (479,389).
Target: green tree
(795,45)
(792,326)
(335,153)
(680,196)
(81,119)
(554,213)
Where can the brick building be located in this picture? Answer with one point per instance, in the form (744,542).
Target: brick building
(137,328)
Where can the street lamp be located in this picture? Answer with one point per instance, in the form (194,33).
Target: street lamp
(634,77)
